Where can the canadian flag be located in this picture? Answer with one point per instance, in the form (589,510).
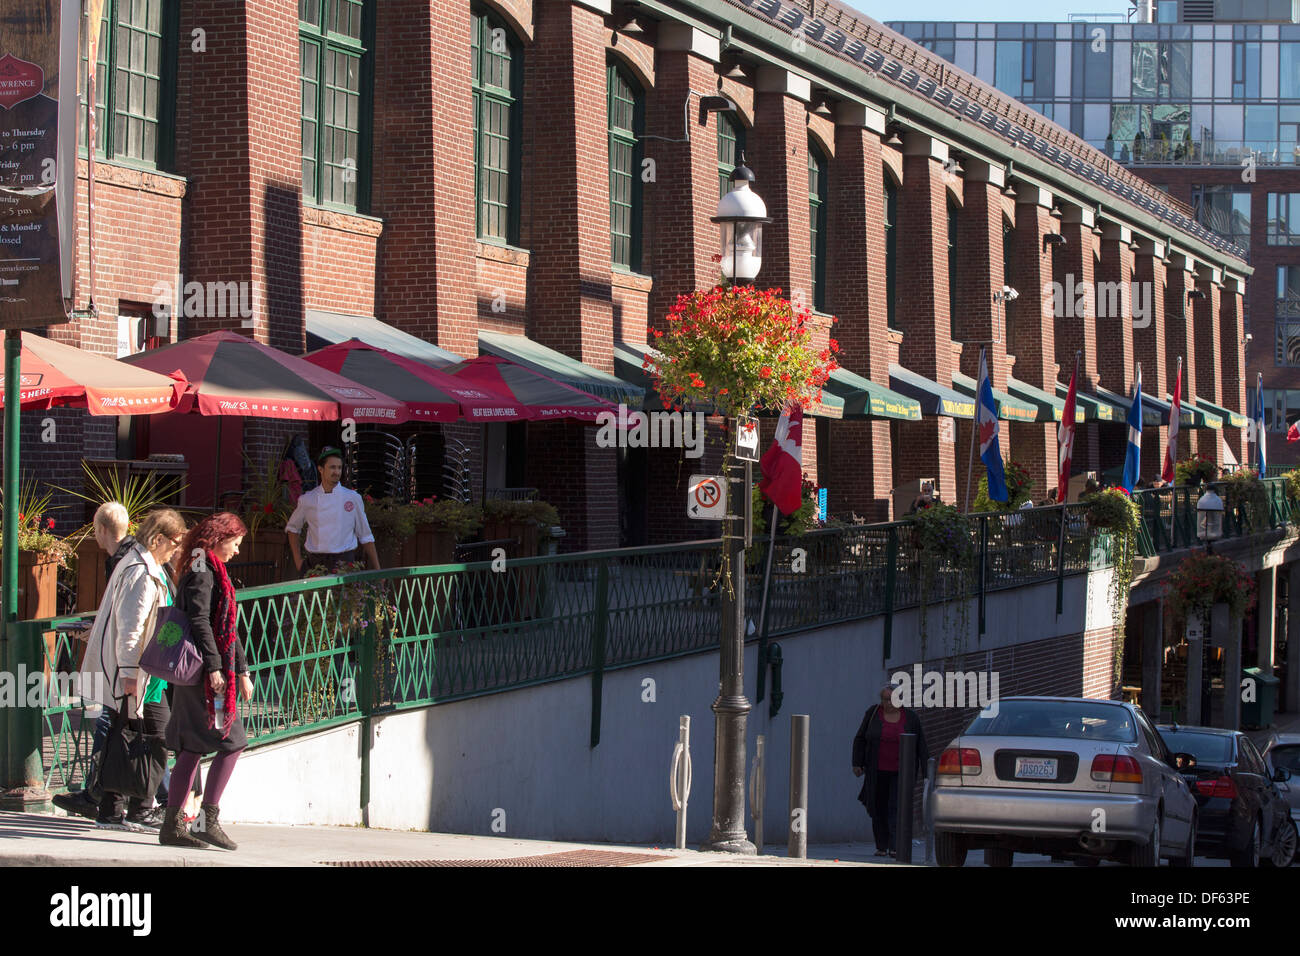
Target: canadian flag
(1293,433)
(1175,414)
(1065,439)
(782,463)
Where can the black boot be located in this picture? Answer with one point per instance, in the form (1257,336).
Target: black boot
(174,832)
(212,832)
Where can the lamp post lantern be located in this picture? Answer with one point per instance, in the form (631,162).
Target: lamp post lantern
(1209,518)
(740,218)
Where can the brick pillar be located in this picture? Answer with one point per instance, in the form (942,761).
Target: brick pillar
(569,293)
(979,320)
(1115,353)
(780,165)
(245,168)
(1205,321)
(1232,347)
(1180,336)
(860,470)
(1030,328)
(1149,341)
(1074,273)
(922,307)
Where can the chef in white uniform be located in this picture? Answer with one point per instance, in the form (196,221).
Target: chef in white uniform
(335,518)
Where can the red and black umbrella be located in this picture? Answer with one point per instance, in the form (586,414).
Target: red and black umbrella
(430,394)
(230,374)
(54,374)
(542,398)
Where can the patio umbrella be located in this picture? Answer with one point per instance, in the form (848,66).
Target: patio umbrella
(54,374)
(230,374)
(429,394)
(542,398)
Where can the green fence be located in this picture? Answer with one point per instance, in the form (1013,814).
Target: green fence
(1169,515)
(332,650)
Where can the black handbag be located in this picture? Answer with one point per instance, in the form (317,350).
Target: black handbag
(133,761)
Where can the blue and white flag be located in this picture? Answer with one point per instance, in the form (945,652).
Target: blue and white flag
(986,419)
(1260,463)
(1133,460)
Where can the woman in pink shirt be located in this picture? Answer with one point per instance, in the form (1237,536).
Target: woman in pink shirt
(875,756)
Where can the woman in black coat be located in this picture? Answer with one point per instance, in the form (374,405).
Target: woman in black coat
(204,718)
(876,756)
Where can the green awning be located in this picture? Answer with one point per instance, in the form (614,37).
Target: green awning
(628,364)
(1201,416)
(864,398)
(1230,418)
(1154,411)
(1094,408)
(546,361)
(1009,408)
(935,399)
(1050,408)
(333,328)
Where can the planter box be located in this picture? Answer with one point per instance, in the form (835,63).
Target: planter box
(270,545)
(432,545)
(92,562)
(38,591)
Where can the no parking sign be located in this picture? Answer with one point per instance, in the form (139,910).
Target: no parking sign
(706,498)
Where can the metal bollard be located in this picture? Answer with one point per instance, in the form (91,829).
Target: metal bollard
(906,795)
(758,791)
(797,841)
(679,779)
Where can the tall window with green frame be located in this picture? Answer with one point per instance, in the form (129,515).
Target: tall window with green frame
(332,64)
(497,78)
(626,110)
(890,200)
(817,168)
(731,143)
(134,100)
(953,277)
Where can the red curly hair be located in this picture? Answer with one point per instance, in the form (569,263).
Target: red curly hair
(209,533)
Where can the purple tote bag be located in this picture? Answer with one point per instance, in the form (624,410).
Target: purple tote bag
(172,654)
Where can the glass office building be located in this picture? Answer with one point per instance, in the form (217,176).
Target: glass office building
(1206,109)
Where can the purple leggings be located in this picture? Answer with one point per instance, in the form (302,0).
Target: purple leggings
(223,765)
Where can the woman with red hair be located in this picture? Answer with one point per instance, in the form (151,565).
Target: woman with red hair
(204,719)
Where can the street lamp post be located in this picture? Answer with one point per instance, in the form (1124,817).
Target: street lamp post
(740,218)
(1209,518)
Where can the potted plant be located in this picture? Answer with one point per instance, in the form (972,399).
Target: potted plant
(439,525)
(1247,495)
(266,512)
(1020,488)
(393,524)
(41,553)
(1196,470)
(1203,580)
(528,522)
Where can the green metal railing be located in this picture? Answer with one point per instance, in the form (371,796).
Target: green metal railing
(334,650)
(1169,516)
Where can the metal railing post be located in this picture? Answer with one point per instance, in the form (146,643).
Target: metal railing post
(599,631)
(366,703)
(1060,566)
(891,571)
(797,839)
(679,777)
(906,796)
(758,790)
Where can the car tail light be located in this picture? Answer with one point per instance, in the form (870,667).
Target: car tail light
(1116,768)
(1224,787)
(965,760)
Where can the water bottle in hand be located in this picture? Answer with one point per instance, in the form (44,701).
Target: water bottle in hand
(219,711)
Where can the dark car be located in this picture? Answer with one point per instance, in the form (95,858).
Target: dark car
(1283,750)
(1243,815)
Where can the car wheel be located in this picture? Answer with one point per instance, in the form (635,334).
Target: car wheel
(1248,855)
(1189,855)
(998,856)
(1284,846)
(949,848)
(1147,854)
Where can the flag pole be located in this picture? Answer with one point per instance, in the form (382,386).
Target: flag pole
(974,430)
(762,610)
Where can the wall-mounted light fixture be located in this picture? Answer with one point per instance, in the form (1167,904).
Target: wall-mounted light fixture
(1053,239)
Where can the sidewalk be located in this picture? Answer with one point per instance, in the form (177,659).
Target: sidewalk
(36,839)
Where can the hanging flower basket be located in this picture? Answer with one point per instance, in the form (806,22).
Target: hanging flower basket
(1204,580)
(1197,469)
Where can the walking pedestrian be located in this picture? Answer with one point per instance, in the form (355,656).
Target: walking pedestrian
(875,756)
(204,718)
(336,521)
(124,625)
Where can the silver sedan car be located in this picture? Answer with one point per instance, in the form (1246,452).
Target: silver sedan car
(1067,777)
(1283,750)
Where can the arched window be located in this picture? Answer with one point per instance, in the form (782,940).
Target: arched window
(731,143)
(336,96)
(626,112)
(817,168)
(498,71)
(890,200)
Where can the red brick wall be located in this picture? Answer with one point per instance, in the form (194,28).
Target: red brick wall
(1231,347)
(1205,318)
(1149,349)
(1180,340)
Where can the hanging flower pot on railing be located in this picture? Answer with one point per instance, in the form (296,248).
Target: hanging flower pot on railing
(1247,497)
(1196,470)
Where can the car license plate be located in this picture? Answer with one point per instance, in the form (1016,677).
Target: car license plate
(1036,768)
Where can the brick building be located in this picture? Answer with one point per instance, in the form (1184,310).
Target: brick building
(536,179)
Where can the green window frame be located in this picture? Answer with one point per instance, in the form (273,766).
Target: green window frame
(817,195)
(625,108)
(135,101)
(497,91)
(890,202)
(335,38)
(731,144)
